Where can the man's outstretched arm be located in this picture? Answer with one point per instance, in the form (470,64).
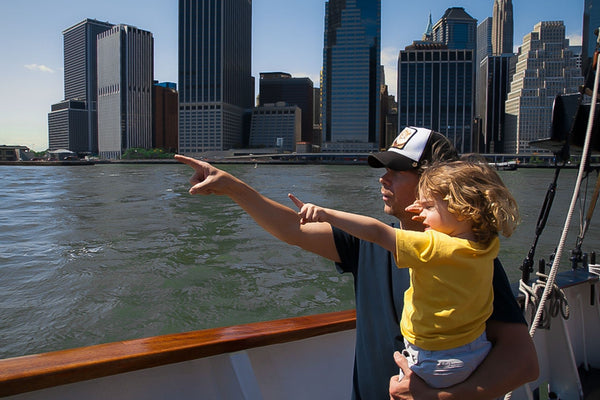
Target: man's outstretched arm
(277,219)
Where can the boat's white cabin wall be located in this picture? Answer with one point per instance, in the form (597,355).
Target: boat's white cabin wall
(567,345)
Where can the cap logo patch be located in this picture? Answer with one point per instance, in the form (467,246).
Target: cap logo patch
(403,138)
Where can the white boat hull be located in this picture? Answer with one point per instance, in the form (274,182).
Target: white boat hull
(570,344)
(305,369)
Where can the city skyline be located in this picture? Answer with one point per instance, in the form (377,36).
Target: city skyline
(32,72)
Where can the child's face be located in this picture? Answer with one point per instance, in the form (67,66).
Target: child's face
(433,214)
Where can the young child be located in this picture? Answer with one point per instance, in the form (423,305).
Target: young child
(463,206)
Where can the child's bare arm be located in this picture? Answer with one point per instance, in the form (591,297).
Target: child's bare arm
(363,227)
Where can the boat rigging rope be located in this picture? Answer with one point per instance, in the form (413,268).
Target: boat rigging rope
(582,166)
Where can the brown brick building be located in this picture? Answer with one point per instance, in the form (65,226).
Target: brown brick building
(165,108)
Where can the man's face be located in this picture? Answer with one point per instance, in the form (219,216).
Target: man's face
(398,189)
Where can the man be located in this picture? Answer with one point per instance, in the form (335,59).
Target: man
(380,285)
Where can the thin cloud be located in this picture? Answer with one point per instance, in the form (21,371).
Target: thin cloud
(389,60)
(574,39)
(389,55)
(39,68)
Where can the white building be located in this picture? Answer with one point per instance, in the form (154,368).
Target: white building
(545,68)
(125,79)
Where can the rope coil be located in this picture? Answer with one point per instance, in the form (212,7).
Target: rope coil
(555,303)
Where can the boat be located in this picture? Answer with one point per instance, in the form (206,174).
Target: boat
(312,356)
(504,166)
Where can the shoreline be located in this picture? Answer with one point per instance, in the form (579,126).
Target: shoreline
(242,161)
(47,163)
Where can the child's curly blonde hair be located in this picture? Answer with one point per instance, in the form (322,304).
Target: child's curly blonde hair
(475,191)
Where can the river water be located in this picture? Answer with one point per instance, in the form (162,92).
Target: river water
(102,253)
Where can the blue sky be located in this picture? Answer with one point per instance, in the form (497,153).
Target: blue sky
(287,36)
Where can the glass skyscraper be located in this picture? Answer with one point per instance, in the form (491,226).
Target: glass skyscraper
(484,39)
(436,79)
(81,58)
(435,91)
(495,74)
(215,77)
(80,84)
(351,75)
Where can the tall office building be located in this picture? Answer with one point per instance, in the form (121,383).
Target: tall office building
(484,40)
(80,70)
(545,68)
(495,68)
(502,27)
(275,87)
(351,75)
(435,91)
(215,79)
(494,77)
(457,29)
(591,21)
(436,79)
(125,79)
(484,49)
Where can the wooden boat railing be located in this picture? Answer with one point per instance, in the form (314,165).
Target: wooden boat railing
(39,371)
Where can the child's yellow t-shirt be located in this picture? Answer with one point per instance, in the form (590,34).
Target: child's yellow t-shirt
(450,295)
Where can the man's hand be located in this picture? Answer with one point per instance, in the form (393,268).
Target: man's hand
(206,179)
(410,387)
(399,388)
